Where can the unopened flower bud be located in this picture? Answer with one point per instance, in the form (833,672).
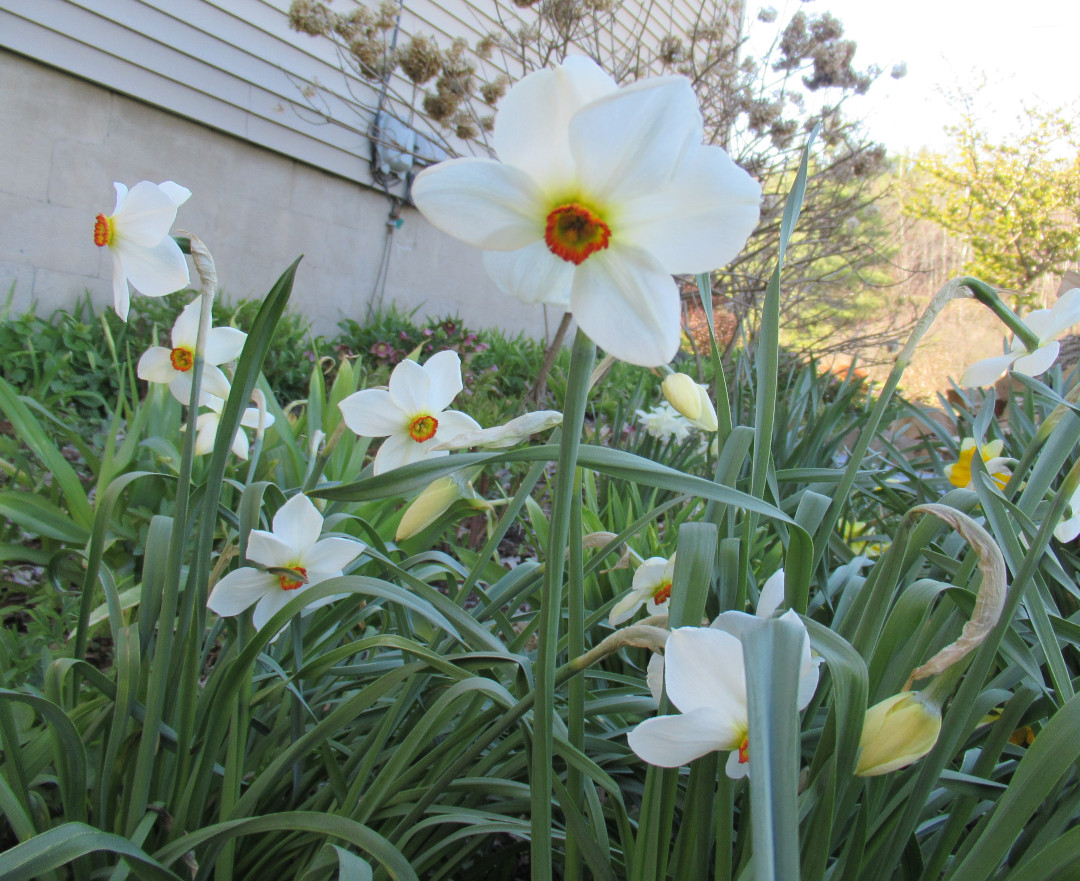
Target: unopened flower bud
(433,502)
(896,732)
(691,400)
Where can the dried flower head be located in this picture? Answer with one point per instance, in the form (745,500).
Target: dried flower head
(671,50)
(358,23)
(464,126)
(486,45)
(421,60)
(440,107)
(493,91)
(310,17)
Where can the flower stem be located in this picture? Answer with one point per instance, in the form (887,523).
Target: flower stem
(577,389)
(989,297)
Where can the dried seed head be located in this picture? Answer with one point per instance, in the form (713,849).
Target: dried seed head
(310,17)
(421,59)
(358,23)
(388,13)
(671,50)
(464,126)
(493,91)
(440,107)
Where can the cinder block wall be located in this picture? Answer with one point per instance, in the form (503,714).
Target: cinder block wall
(64,140)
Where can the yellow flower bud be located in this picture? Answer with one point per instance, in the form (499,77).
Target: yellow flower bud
(690,399)
(896,732)
(426,508)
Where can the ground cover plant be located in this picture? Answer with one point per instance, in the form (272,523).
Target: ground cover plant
(716,624)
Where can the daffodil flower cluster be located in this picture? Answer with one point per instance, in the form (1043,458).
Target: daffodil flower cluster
(959,472)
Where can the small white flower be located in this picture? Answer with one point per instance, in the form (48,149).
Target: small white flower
(664,423)
(651,586)
(411,414)
(137,236)
(600,196)
(1047,324)
(174,365)
(206,427)
(705,677)
(297,556)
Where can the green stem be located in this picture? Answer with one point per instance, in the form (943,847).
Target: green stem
(575,595)
(989,297)
(577,389)
(160,661)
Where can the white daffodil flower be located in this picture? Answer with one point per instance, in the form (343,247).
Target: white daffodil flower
(601,195)
(705,678)
(651,586)
(174,365)
(1047,324)
(137,236)
(412,413)
(290,559)
(206,427)
(664,422)
(501,436)
(691,399)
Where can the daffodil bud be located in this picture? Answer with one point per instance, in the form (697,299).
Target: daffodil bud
(896,732)
(426,508)
(691,400)
(434,501)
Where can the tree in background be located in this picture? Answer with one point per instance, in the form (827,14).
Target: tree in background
(1014,201)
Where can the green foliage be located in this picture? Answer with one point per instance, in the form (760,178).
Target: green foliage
(1014,201)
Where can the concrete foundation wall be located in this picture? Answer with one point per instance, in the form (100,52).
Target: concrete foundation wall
(63,141)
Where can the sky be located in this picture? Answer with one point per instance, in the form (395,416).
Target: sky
(1026,52)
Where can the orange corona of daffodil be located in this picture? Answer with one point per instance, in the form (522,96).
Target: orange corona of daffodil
(959,473)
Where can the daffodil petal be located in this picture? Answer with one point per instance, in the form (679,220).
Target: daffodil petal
(627,143)
(772,594)
(410,389)
(121,297)
(239,590)
(625,608)
(240,446)
(532,274)
(372,413)
(398,450)
(185,330)
(298,523)
(206,427)
(224,344)
(1063,314)
(704,668)
(174,191)
(1039,361)
(326,558)
(986,371)
(649,574)
(155,365)
(444,374)
(628,305)
(699,220)
(271,603)
(145,216)
(1068,530)
(268,549)
(532,126)
(121,194)
(735,769)
(654,677)
(154,271)
(451,424)
(671,741)
(481,202)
